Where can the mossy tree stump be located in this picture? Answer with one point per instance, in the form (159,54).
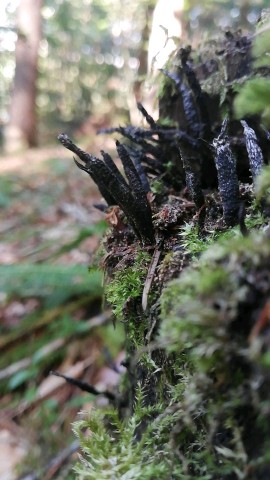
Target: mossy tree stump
(188,274)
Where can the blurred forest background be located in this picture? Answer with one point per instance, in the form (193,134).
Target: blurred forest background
(88,56)
(74,67)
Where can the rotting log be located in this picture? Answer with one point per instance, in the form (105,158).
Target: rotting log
(194,402)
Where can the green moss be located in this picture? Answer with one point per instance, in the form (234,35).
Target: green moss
(254,96)
(111,450)
(262,186)
(167,122)
(213,278)
(207,322)
(213,397)
(213,402)
(194,243)
(127,284)
(157,187)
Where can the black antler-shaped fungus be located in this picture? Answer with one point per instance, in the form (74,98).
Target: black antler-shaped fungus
(254,151)
(189,90)
(137,158)
(146,115)
(195,87)
(190,110)
(227,176)
(130,197)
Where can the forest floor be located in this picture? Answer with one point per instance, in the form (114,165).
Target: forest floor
(50,310)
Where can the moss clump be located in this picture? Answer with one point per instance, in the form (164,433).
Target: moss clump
(209,314)
(254,96)
(157,187)
(124,293)
(195,243)
(203,362)
(262,187)
(113,450)
(214,400)
(127,283)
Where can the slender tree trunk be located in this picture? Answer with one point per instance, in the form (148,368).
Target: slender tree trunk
(164,35)
(166,30)
(22,128)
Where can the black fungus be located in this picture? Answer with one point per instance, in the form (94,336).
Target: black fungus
(254,151)
(227,176)
(130,197)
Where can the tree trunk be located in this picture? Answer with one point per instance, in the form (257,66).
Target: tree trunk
(165,33)
(163,38)
(21,131)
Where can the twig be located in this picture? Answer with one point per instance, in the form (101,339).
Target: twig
(86,387)
(150,275)
(57,462)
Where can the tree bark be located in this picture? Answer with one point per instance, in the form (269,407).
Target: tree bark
(21,131)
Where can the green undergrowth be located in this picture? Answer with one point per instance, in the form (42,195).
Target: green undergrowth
(53,283)
(47,309)
(7,191)
(39,427)
(60,291)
